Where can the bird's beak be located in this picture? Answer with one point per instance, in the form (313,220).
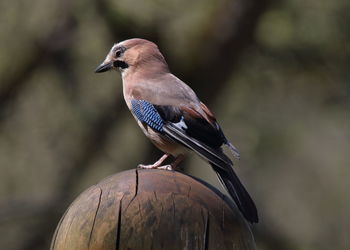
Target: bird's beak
(103,67)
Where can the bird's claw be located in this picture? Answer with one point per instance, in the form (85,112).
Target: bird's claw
(166,167)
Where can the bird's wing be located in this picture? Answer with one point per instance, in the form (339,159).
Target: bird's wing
(169,91)
(203,135)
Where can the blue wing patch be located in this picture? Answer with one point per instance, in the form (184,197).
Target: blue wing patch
(146,112)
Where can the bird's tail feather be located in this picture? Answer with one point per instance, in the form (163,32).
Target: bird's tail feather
(222,165)
(234,150)
(237,191)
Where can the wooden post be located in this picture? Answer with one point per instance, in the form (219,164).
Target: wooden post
(152,209)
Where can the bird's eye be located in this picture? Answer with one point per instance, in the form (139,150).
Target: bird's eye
(118,53)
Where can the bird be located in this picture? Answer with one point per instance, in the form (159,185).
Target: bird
(172,116)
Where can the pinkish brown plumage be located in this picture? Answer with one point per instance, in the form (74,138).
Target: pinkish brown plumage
(172,116)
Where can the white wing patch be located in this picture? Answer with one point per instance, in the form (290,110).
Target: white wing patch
(181,124)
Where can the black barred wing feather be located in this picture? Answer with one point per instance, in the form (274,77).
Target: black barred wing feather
(146,113)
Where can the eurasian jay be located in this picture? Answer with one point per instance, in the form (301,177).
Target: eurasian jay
(171,115)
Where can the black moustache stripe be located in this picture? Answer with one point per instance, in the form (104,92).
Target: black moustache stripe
(120,64)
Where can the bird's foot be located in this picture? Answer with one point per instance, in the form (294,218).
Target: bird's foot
(153,166)
(145,166)
(158,164)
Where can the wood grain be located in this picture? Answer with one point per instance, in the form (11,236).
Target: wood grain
(152,209)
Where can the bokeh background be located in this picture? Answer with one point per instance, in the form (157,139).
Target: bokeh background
(275,73)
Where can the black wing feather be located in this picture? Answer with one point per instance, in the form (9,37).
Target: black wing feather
(206,139)
(212,155)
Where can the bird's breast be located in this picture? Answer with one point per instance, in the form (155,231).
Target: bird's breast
(162,142)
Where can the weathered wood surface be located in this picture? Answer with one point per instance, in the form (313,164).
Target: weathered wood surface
(152,209)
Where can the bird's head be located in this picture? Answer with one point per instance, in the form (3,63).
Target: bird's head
(133,55)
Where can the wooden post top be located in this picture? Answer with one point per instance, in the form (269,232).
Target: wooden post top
(152,209)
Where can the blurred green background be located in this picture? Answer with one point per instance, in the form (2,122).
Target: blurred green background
(275,73)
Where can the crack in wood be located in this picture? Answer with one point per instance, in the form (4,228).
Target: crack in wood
(117,243)
(136,188)
(189,190)
(94,221)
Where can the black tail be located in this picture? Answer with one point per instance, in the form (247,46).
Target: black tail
(237,191)
(223,168)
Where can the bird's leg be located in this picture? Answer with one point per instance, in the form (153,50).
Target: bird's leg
(174,164)
(157,164)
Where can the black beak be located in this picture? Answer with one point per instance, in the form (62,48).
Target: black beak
(103,67)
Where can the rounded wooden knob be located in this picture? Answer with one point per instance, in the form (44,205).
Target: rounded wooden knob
(152,209)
